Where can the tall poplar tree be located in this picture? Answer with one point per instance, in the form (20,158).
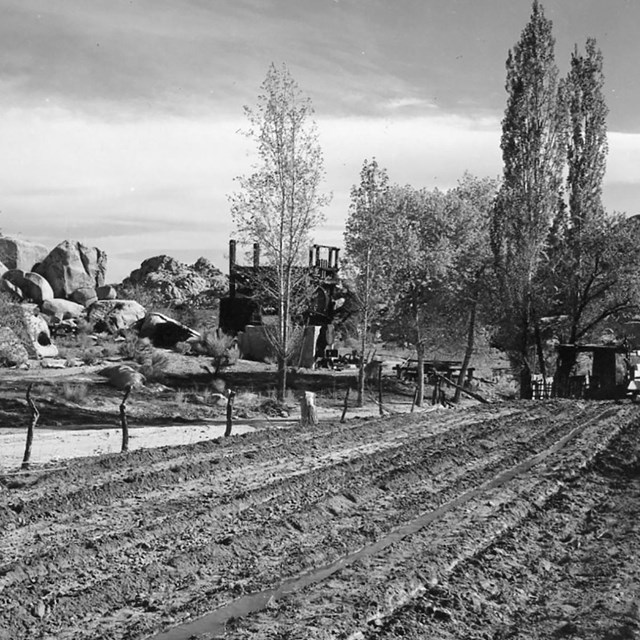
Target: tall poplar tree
(533,152)
(592,271)
(281,202)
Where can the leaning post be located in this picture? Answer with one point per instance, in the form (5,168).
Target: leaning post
(35,414)
(123,420)
(230,397)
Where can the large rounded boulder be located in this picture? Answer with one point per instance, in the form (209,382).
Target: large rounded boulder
(29,285)
(71,266)
(62,309)
(114,316)
(16,253)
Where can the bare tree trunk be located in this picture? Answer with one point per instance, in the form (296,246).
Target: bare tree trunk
(419,350)
(471,334)
(420,372)
(123,420)
(35,414)
(361,372)
(539,350)
(380,390)
(230,398)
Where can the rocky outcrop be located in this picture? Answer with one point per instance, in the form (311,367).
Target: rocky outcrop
(28,286)
(71,266)
(12,352)
(114,316)
(85,296)
(16,253)
(170,280)
(164,331)
(106,292)
(62,309)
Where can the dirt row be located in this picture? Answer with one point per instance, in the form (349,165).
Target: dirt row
(125,546)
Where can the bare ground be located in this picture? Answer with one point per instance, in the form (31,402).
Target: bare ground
(507,520)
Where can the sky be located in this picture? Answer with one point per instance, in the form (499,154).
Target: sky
(121,119)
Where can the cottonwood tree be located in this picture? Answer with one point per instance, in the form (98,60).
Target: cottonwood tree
(424,220)
(472,282)
(442,274)
(533,152)
(369,246)
(280,203)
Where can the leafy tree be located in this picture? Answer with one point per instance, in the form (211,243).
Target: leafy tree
(424,221)
(592,273)
(472,285)
(369,243)
(532,150)
(442,275)
(280,202)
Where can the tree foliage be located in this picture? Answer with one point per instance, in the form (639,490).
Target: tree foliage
(280,203)
(371,250)
(532,144)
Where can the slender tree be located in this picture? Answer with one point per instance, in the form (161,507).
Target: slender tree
(280,202)
(533,151)
(368,242)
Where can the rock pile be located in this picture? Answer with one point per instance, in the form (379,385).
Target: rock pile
(54,290)
(166,279)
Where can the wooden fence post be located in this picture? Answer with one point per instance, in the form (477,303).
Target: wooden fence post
(35,414)
(123,420)
(230,398)
(346,405)
(308,414)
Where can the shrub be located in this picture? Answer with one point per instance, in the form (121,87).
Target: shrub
(75,392)
(183,348)
(12,316)
(153,365)
(219,346)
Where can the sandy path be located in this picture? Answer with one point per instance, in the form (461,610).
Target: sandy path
(50,445)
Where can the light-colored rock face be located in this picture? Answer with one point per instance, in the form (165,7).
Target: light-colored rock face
(115,315)
(39,335)
(12,352)
(28,286)
(71,266)
(85,296)
(62,309)
(16,253)
(3,268)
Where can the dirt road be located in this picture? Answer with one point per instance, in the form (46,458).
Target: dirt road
(479,523)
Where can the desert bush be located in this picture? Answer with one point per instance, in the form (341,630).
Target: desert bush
(133,347)
(75,392)
(83,327)
(11,315)
(154,365)
(183,348)
(219,346)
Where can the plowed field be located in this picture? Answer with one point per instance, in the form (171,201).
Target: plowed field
(502,521)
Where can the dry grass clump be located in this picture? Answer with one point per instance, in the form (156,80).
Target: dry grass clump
(75,392)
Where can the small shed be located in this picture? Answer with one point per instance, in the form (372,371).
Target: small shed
(601,375)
